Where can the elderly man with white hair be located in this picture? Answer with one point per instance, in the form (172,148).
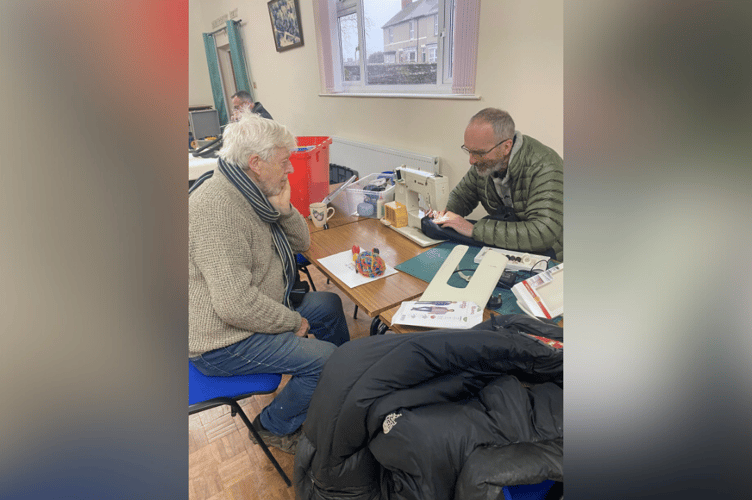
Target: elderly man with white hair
(243,237)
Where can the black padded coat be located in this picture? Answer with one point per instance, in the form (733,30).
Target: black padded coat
(439,415)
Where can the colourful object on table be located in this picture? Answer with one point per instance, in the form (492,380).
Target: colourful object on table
(368,264)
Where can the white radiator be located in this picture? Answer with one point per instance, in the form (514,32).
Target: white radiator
(370,159)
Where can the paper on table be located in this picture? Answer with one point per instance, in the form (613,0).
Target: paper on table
(439,314)
(342,266)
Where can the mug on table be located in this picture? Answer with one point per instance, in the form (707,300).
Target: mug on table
(320,214)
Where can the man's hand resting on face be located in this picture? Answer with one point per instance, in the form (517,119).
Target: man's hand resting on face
(446,218)
(303,330)
(281,201)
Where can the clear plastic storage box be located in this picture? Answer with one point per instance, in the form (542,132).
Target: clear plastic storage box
(364,197)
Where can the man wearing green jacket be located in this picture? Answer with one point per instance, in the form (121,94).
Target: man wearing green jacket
(517,179)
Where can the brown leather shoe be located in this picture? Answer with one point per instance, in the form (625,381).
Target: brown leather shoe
(287,443)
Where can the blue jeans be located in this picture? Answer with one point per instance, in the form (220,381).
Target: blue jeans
(303,358)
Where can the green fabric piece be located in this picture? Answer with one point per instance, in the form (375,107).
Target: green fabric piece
(237,54)
(426,265)
(216,82)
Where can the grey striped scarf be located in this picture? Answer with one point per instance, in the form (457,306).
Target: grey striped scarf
(266,213)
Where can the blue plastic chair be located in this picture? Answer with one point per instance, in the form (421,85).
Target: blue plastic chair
(528,491)
(209,392)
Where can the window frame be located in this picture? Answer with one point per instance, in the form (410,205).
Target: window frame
(327,14)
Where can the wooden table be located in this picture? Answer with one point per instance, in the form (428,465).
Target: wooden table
(381,294)
(340,218)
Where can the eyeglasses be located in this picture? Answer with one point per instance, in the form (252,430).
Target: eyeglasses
(482,153)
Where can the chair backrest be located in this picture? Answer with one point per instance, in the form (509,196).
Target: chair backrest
(204,388)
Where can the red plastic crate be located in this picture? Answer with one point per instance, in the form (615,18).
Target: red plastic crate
(310,181)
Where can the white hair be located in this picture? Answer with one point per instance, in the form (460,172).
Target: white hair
(251,134)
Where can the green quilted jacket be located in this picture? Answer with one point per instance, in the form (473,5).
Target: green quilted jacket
(537,185)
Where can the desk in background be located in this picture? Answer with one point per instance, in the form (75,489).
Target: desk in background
(199,166)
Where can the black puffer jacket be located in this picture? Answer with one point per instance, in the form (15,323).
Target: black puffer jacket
(536,179)
(439,415)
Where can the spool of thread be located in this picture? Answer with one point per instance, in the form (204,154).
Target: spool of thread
(366,209)
(370,264)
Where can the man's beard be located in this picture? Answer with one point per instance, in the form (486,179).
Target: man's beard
(266,187)
(486,168)
(269,188)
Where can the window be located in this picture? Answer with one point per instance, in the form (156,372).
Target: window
(431,49)
(388,46)
(348,31)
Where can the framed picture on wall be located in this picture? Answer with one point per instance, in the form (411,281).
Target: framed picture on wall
(285,16)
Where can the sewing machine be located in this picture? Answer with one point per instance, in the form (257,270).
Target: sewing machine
(411,186)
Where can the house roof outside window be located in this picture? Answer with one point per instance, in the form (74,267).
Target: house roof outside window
(414,10)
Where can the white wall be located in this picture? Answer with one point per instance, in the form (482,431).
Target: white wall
(199,85)
(520,69)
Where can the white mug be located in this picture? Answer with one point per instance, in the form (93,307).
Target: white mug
(320,214)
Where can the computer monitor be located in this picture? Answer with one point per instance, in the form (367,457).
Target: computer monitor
(204,123)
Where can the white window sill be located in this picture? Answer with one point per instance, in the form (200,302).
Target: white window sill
(467,97)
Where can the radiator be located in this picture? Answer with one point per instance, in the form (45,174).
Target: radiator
(370,159)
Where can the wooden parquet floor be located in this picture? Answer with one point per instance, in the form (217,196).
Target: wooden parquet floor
(223,462)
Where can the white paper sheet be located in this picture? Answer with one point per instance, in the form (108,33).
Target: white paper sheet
(342,266)
(439,314)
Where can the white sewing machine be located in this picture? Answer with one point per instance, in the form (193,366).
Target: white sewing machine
(411,186)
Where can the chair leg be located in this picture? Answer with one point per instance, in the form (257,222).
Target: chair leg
(236,407)
(375,324)
(308,274)
(378,327)
(355,314)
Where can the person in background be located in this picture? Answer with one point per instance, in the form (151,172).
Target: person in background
(243,236)
(517,179)
(243,100)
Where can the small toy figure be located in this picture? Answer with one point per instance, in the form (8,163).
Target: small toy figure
(368,264)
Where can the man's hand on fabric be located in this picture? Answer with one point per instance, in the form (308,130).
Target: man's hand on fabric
(281,201)
(435,214)
(456,222)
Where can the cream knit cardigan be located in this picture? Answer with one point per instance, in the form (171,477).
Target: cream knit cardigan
(235,276)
